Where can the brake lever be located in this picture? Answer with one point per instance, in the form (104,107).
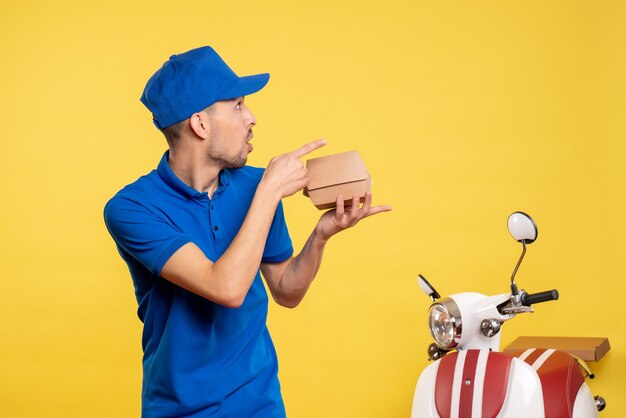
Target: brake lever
(517,309)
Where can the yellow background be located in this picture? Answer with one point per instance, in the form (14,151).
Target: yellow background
(464,112)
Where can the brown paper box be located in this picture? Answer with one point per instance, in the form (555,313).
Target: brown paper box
(587,348)
(338,174)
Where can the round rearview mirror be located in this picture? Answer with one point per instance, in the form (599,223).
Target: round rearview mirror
(522,227)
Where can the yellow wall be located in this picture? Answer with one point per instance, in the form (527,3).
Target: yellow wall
(464,111)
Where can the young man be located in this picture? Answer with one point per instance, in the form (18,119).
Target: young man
(196,231)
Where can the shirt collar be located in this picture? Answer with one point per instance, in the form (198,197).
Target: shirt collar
(167,175)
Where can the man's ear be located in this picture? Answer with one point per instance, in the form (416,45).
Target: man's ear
(200,124)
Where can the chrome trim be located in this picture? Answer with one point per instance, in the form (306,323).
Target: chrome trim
(455,316)
(489,327)
(600,403)
(435,352)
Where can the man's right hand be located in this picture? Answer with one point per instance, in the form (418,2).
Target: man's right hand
(285,174)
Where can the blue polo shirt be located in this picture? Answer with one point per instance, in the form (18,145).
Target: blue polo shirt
(200,359)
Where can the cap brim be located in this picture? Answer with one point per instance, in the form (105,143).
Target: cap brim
(245,86)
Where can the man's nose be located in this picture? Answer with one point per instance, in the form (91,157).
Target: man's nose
(250,118)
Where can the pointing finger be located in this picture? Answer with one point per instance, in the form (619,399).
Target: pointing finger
(308,148)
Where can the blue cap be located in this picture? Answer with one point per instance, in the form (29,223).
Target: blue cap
(192,81)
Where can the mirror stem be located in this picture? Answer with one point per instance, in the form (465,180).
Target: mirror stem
(514,290)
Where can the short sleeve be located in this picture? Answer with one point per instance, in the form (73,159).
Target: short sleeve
(142,234)
(278,246)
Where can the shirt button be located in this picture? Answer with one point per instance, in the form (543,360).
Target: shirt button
(211,206)
(215,228)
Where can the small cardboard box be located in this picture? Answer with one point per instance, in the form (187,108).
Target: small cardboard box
(587,348)
(338,174)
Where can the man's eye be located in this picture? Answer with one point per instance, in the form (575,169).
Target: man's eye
(238,106)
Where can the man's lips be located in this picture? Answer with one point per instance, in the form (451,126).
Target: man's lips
(248,139)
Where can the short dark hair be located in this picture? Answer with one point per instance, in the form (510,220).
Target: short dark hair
(172,132)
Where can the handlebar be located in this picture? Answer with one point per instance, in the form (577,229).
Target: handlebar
(532,298)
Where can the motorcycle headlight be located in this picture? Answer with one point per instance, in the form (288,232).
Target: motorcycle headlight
(444,321)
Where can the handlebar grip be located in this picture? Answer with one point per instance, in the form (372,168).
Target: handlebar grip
(548,295)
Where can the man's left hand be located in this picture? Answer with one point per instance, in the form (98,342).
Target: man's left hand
(341,218)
